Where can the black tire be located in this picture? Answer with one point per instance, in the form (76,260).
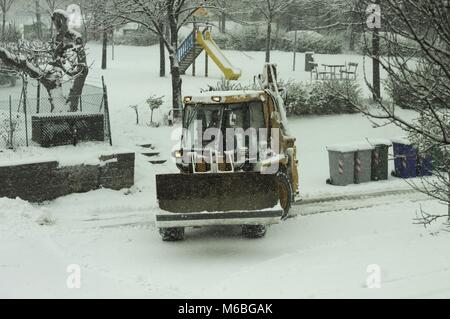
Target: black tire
(172,234)
(254,231)
(286,193)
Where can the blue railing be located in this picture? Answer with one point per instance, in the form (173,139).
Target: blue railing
(186,46)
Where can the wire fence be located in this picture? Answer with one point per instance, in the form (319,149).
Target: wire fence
(31,102)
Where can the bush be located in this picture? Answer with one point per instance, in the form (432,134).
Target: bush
(144,38)
(249,39)
(227,85)
(311,41)
(321,97)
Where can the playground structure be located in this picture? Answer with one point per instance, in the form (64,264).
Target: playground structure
(197,42)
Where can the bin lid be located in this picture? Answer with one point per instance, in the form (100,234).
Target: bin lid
(401,140)
(379,141)
(350,147)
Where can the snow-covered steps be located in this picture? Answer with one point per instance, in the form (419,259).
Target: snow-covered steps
(151,154)
(158,162)
(148,150)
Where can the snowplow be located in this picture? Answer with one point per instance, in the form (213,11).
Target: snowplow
(237,163)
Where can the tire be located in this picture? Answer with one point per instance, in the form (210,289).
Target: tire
(286,193)
(172,234)
(254,231)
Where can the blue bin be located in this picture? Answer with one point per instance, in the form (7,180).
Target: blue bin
(425,166)
(405,160)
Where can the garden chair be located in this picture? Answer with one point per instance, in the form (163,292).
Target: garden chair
(349,71)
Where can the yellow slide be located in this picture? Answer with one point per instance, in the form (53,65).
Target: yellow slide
(208,44)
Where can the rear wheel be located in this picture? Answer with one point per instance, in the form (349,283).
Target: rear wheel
(285,191)
(254,231)
(172,234)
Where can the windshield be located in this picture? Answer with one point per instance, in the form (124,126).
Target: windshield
(206,125)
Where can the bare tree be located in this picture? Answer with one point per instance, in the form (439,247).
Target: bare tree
(5,5)
(153,15)
(270,10)
(417,38)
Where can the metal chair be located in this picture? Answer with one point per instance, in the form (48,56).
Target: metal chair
(350,70)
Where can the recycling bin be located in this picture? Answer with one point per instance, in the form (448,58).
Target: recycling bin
(309,61)
(380,159)
(363,164)
(424,165)
(350,164)
(405,159)
(342,166)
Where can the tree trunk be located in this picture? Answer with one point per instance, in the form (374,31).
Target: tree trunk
(448,204)
(223,21)
(162,55)
(104,50)
(268,40)
(351,44)
(175,67)
(38,20)
(3,24)
(376,64)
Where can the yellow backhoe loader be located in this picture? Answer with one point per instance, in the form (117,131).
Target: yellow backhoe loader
(237,163)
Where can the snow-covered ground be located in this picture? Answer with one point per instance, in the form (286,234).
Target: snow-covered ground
(112,237)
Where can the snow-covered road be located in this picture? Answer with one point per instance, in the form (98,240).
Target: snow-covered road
(120,254)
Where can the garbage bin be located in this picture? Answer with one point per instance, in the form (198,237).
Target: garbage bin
(380,159)
(424,165)
(309,60)
(350,163)
(405,158)
(342,166)
(363,164)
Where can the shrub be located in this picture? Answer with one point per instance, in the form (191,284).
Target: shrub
(311,41)
(144,38)
(321,97)
(249,39)
(227,85)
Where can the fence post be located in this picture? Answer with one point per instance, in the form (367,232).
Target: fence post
(38,101)
(10,137)
(105,100)
(25,84)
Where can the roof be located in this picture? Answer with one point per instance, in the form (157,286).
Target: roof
(226,97)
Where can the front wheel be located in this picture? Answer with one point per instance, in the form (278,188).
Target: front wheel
(254,231)
(172,234)
(285,193)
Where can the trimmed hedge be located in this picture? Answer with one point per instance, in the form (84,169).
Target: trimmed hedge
(321,97)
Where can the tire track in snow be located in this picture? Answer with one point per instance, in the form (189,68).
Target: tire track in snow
(320,205)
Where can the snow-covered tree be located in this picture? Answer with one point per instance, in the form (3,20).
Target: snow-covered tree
(419,78)
(66,58)
(154,15)
(269,11)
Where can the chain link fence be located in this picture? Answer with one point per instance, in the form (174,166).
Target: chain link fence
(31,100)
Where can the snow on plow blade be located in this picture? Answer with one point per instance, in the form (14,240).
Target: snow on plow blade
(208,199)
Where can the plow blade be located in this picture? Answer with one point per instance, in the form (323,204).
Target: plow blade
(189,193)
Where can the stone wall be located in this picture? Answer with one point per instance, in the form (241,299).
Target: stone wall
(38,182)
